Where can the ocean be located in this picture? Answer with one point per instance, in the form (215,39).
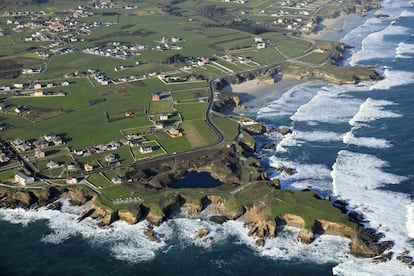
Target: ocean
(352,142)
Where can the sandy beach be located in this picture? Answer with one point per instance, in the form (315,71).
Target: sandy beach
(253,89)
(329,29)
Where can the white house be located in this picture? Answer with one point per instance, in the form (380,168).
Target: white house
(23,178)
(116,179)
(71,180)
(145,149)
(52,164)
(164,117)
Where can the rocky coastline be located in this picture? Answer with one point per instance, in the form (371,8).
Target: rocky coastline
(260,221)
(364,242)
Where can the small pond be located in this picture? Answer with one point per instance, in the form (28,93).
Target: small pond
(196,180)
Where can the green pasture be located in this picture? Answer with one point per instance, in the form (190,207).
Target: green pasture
(229,65)
(99,181)
(229,128)
(171,145)
(198,133)
(8,175)
(190,94)
(292,46)
(161,106)
(207,71)
(191,111)
(120,192)
(156,150)
(263,56)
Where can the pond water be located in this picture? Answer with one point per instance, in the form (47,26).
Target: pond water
(196,180)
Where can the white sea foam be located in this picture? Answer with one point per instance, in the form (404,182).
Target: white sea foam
(286,246)
(315,176)
(375,41)
(404,50)
(363,267)
(318,136)
(410,220)
(128,243)
(125,242)
(280,148)
(370,142)
(287,104)
(407,13)
(330,105)
(372,110)
(288,141)
(393,78)
(297,138)
(359,178)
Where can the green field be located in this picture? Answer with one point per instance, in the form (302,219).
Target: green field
(90,114)
(229,128)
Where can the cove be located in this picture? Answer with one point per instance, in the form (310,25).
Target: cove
(196,180)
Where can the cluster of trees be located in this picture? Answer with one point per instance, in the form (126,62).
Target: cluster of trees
(248,26)
(23,2)
(212,11)
(175,59)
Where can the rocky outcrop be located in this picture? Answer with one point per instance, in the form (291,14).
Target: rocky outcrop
(105,215)
(262,229)
(218,219)
(78,197)
(203,232)
(216,204)
(128,216)
(15,198)
(191,209)
(151,235)
(173,208)
(282,130)
(154,219)
(305,235)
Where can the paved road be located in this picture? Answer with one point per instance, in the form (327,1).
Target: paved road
(208,110)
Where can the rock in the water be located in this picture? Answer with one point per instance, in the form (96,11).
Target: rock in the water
(202,233)
(57,205)
(269,147)
(405,259)
(149,233)
(207,239)
(86,214)
(253,230)
(283,130)
(260,242)
(284,250)
(383,258)
(288,171)
(356,217)
(218,219)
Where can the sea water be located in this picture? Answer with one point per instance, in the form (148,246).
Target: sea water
(352,142)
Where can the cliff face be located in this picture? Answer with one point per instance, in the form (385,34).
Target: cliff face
(28,199)
(364,242)
(216,204)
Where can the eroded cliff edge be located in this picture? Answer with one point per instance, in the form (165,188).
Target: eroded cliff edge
(259,203)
